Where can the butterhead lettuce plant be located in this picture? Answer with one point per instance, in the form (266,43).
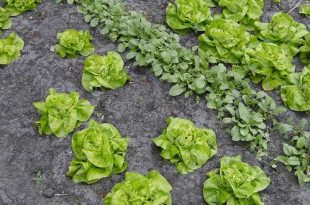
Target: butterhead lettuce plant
(5,21)
(10,48)
(244,11)
(152,189)
(185,145)
(99,152)
(73,42)
(296,95)
(184,15)
(61,113)
(16,7)
(104,71)
(282,29)
(270,64)
(235,182)
(224,41)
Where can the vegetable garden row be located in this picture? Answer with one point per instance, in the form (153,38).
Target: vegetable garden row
(235,50)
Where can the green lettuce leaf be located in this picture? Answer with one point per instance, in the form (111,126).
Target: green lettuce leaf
(10,48)
(73,42)
(99,152)
(244,11)
(270,64)
(5,21)
(236,182)
(305,50)
(188,14)
(152,189)
(305,10)
(16,7)
(185,145)
(61,113)
(282,29)
(296,95)
(224,41)
(104,71)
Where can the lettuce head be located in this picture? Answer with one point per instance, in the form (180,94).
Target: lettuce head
(224,41)
(99,152)
(10,48)
(152,189)
(185,145)
(61,113)
(235,182)
(104,71)
(184,15)
(73,42)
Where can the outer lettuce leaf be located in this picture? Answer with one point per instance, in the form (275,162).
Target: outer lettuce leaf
(188,14)
(224,41)
(244,11)
(305,50)
(270,64)
(5,21)
(99,152)
(10,48)
(296,95)
(16,7)
(235,182)
(61,113)
(185,145)
(305,10)
(152,189)
(73,42)
(104,71)
(282,29)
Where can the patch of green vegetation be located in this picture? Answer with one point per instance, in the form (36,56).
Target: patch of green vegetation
(186,69)
(296,151)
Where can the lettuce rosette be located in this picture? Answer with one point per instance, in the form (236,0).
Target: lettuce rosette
(61,113)
(185,145)
(235,182)
(99,152)
(224,41)
(104,71)
(270,64)
(152,189)
(245,12)
(10,48)
(16,7)
(282,29)
(184,15)
(73,42)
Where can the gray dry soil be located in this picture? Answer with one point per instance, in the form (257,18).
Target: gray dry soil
(139,110)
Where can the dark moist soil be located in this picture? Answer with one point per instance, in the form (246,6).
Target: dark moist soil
(139,110)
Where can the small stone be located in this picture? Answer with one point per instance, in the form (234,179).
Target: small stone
(48,193)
